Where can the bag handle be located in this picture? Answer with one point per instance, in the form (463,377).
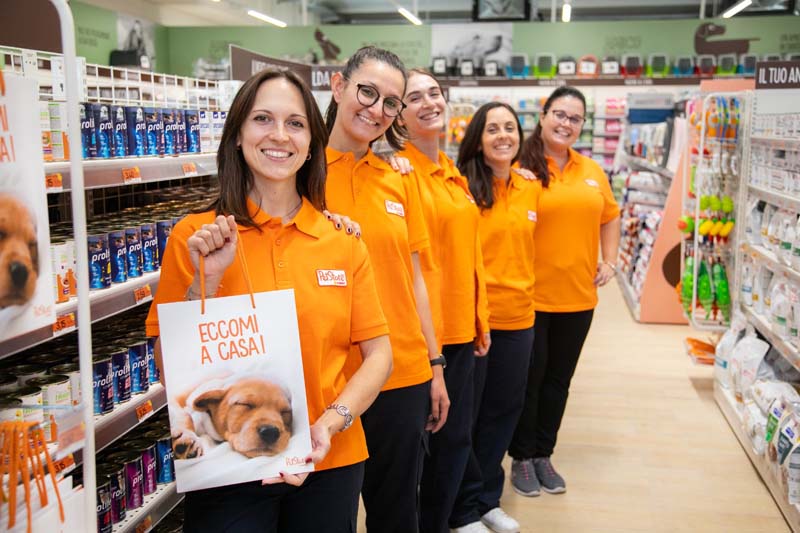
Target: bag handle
(245,271)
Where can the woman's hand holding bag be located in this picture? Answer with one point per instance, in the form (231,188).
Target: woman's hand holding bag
(216,244)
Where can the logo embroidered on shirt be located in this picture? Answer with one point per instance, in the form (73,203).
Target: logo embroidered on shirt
(592,183)
(395,208)
(532,216)
(331,278)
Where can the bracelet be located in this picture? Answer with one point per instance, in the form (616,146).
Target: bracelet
(344,411)
(611,265)
(191,296)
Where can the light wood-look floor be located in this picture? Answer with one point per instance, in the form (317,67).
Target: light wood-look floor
(643,446)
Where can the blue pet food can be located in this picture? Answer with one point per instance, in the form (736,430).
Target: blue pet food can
(180,131)
(152,368)
(88,133)
(170,132)
(137,131)
(192,131)
(133,242)
(102,384)
(99,262)
(104,130)
(149,248)
(165,457)
(140,375)
(119,256)
(154,122)
(120,129)
(122,374)
(163,231)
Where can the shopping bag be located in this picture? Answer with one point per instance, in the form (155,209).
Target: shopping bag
(235,387)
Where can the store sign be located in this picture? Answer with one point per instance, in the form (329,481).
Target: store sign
(778,75)
(321,77)
(245,63)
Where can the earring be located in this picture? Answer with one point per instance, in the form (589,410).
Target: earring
(308,157)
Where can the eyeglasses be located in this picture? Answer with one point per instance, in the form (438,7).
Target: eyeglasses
(368,96)
(561,116)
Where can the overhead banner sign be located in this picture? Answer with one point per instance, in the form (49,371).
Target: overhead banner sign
(245,63)
(778,75)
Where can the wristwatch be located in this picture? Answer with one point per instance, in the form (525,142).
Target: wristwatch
(344,411)
(439,361)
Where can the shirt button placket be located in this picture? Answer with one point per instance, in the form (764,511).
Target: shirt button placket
(281,265)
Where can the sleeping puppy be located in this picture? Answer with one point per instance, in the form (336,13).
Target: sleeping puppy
(19,252)
(252,413)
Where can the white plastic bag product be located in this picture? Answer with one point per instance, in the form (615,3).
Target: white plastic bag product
(744,363)
(747,283)
(761,285)
(788,236)
(766,218)
(796,247)
(779,410)
(773,230)
(794,327)
(754,424)
(765,392)
(753,227)
(724,348)
(780,308)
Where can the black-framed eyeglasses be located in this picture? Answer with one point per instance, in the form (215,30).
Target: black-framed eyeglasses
(368,96)
(561,116)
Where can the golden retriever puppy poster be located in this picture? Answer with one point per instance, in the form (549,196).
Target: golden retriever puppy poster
(26,284)
(235,389)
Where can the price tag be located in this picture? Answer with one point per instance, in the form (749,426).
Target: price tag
(64,465)
(145,525)
(189,170)
(54,182)
(143,294)
(64,324)
(131,175)
(145,410)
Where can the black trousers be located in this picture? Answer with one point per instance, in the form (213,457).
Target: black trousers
(395,428)
(500,380)
(557,345)
(450,446)
(327,501)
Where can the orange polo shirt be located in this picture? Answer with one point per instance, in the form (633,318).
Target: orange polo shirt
(452,219)
(330,318)
(571,210)
(508,248)
(387,207)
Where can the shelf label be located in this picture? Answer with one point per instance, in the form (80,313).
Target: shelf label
(64,324)
(189,170)
(54,182)
(145,410)
(778,75)
(131,175)
(145,525)
(64,465)
(143,294)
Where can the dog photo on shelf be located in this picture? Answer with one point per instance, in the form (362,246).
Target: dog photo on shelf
(27,291)
(235,389)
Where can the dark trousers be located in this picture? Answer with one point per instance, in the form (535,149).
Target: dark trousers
(327,501)
(500,380)
(395,429)
(451,445)
(557,345)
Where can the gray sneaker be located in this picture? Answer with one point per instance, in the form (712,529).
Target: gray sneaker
(523,478)
(551,481)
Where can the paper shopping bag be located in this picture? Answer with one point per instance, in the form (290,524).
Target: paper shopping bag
(235,389)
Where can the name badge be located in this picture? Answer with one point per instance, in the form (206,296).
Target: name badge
(592,183)
(331,278)
(395,208)
(532,216)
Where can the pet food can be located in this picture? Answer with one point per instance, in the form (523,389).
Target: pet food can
(119,256)
(99,262)
(121,366)
(31,397)
(152,368)
(49,359)
(25,373)
(115,473)
(132,463)
(10,409)
(104,523)
(149,248)
(164,454)
(102,384)
(133,243)
(8,382)
(163,231)
(147,449)
(55,393)
(140,374)
(72,370)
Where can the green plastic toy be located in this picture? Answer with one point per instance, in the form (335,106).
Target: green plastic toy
(723,295)
(705,292)
(687,284)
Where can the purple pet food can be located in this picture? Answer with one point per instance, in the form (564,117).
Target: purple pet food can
(147,449)
(104,523)
(134,477)
(115,473)
(102,384)
(164,455)
(121,365)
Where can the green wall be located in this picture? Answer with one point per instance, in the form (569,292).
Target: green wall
(95,32)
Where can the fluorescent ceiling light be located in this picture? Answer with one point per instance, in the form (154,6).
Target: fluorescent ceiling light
(410,16)
(566,12)
(266,18)
(735,9)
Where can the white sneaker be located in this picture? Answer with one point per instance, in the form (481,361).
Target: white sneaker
(474,527)
(498,521)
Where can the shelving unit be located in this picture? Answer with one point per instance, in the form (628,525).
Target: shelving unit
(647,165)
(155,507)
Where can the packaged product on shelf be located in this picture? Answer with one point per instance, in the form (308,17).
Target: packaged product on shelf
(163,231)
(150,261)
(104,129)
(217,124)
(59,131)
(44,124)
(753,227)
(10,409)
(119,125)
(31,397)
(104,522)
(121,368)
(724,349)
(88,132)
(147,451)
(55,393)
(192,133)
(205,133)
(133,241)
(761,284)
(102,384)
(140,369)
(27,372)
(164,454)
(8,382)
(765,392)
(781,309)
(793,481)
(779,410)
(119,256)
(137,131)
(754,424)
(72,371)
(787,439)
(132,463)
(170,132)
(744,363)
(794,325)
(114,475)
(99,261)
(62,266)
(766,218)
(747,283)
(155,131)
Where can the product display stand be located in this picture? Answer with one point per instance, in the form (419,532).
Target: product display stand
(770,171)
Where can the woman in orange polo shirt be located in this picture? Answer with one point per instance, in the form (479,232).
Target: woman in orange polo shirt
(271,165)
(455,255)
(508,203)
(577,215)
(367,98)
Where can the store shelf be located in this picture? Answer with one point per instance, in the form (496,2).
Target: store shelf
(609,117)
(582,146)
(727,404)
(155,507)
(606,134)
(608,153)
(615,81)
(125,417)
(776,198)
(772,260)
(629,296)
(105,303)
(647,165)
(777,141)
(99,173)
(789,352)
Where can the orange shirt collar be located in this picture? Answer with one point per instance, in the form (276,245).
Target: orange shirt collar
(426,166)
(573,159)
(370,158)
(307,220)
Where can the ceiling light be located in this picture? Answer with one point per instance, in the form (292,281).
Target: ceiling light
(566,12)
(266,18)
(735,9)
(412,18)
(216,1)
